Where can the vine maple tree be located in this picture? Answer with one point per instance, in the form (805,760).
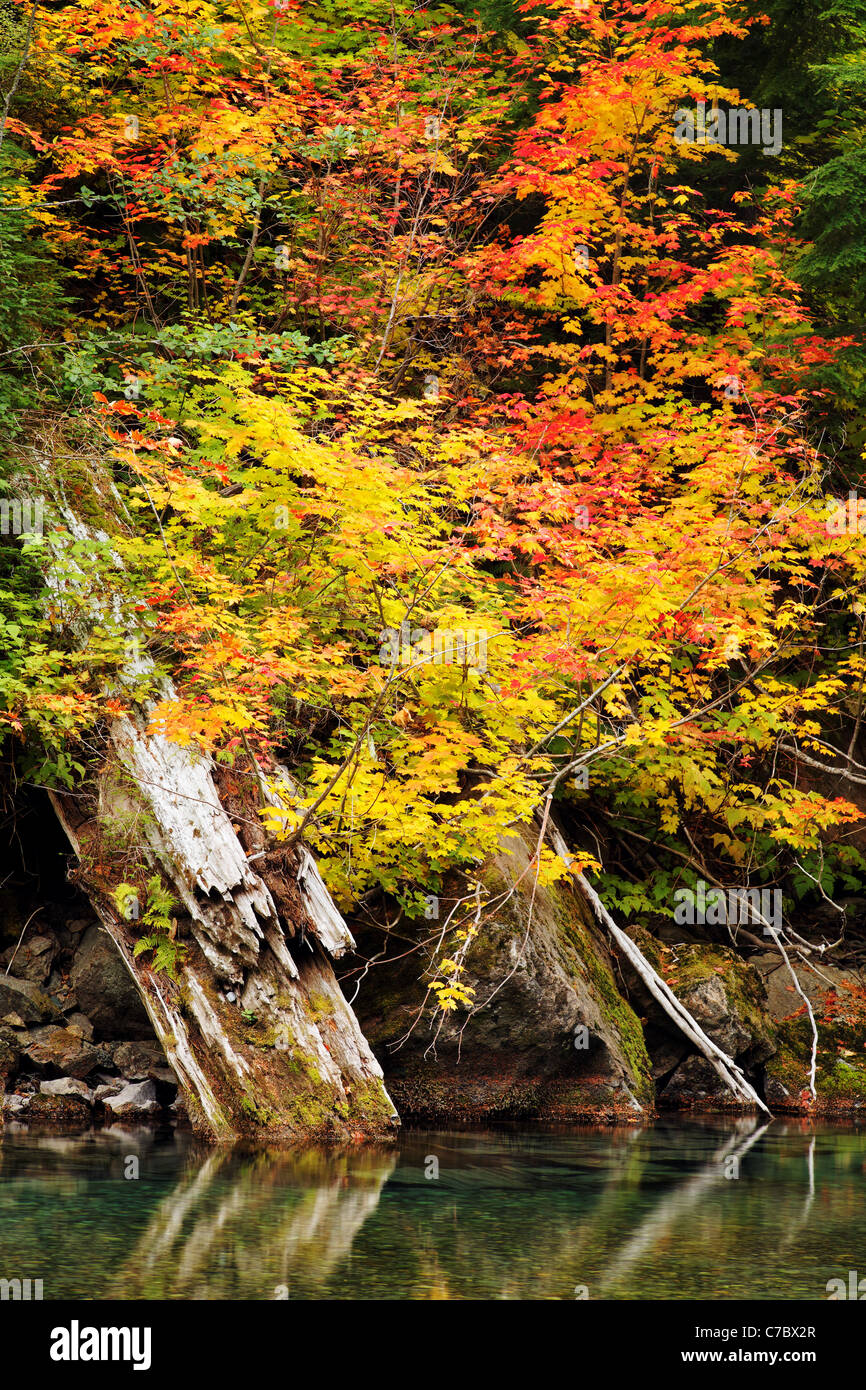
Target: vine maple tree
(406,325)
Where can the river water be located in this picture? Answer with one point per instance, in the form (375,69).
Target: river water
(710,1209)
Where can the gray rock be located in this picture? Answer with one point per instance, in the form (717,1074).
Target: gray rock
(138,1061)
(105,990)
(66,1086)
(80,924)
(15,1106)
(695,1082)
(741,1034)
(79,1023)
(709,1006)
(109,1088)
(32,959)
(62,1050)
(727,998)
(665,1051)
(137,1099)
(781,999)
(27,1000)
(105,1078)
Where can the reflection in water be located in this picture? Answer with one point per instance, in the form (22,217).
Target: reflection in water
(709,1209)
(723,1165)
(305,1207)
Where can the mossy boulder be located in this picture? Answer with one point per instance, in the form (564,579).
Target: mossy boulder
(62,1052)
(840,1073)
(727,998)
(55,1112)
(751,1010)
(548,1035)
(838,1001)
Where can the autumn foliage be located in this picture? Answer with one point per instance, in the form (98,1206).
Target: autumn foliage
(379,321)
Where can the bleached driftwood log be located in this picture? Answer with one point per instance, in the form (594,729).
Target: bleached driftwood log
(724,1065)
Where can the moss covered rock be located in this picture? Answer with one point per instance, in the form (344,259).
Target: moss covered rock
(727,997)
(552,1036)
(840,1073)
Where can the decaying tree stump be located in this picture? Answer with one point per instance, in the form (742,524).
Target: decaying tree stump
(254,1025)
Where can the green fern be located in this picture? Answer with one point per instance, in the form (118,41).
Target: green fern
(159,905)
(167,953)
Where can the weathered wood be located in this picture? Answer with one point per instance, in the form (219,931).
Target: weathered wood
(725,1066)
(304,1067)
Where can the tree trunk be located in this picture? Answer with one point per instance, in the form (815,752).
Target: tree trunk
(254,1025)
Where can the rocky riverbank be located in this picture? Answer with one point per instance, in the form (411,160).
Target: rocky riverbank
(76,1046)
(563,1030)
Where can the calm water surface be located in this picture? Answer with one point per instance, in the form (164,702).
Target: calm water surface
(654,1213)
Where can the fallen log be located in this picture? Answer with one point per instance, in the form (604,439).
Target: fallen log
(740,1088)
